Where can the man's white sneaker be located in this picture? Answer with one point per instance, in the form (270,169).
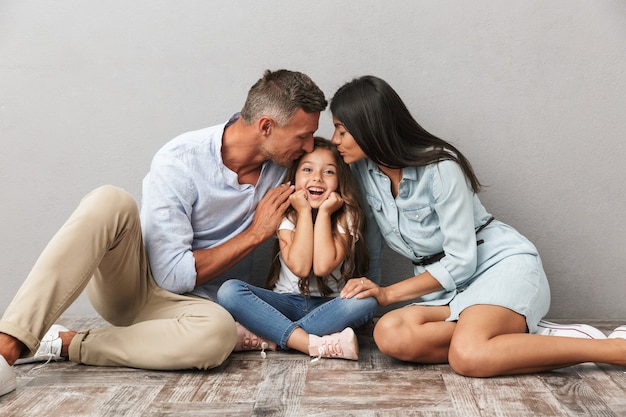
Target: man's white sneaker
(619,332)
(49,349)
(8,381)
(342,345)
(581,331)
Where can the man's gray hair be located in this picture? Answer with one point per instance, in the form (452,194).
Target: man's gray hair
(278,94)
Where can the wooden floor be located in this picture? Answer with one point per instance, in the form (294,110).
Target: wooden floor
(288,384)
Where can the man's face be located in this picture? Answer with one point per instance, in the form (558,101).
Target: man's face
(288,143)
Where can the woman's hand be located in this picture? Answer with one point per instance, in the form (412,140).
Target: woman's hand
(362,288)
(404,290)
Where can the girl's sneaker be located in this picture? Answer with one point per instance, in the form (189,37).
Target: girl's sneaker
(246,340)
(342,345)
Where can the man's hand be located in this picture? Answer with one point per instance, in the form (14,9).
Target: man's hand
(270,211)
(212,262)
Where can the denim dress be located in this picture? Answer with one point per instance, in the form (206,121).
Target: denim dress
(436,212)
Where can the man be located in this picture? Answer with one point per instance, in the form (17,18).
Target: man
(211,197)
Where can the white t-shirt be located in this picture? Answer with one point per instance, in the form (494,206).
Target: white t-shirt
(288,282)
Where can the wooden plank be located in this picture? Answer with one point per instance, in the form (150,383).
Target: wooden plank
(575,396)
(282,387)
(344,390)
(610,384)
(514,396)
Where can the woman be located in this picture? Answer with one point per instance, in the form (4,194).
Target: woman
(482,285)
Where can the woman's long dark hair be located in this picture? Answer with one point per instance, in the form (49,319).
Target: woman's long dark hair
(385,130)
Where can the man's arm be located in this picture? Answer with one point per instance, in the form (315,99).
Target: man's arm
(212,262)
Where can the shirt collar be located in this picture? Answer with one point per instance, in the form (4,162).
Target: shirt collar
(409,173)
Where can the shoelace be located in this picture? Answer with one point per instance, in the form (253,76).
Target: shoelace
(43,364)
(328,350)
(252,343)
(320,353)
(49,354)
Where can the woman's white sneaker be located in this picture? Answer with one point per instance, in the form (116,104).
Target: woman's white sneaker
(582,331)
(619,332)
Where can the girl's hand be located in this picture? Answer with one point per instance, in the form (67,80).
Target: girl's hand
(299,201)
(332,203)
(363,287)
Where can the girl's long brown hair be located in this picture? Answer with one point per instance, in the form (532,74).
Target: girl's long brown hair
(349,216)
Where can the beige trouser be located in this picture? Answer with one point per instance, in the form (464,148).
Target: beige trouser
(100,248)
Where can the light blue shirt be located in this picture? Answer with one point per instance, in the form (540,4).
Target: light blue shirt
(435,210)
(191,200)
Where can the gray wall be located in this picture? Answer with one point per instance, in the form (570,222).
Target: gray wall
(533,91)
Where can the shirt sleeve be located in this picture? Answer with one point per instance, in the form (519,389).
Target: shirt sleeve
(167,202)
(286,224)
(454,207)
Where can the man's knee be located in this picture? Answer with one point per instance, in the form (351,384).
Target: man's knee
(110,197)
(213,340)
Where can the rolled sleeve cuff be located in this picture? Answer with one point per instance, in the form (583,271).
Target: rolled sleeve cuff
(182,279)
(442,275)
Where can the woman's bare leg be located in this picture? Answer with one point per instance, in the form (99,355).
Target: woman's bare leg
(491,340)
(415,334)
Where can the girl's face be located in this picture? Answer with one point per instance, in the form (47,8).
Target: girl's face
(317,176)
(349,150)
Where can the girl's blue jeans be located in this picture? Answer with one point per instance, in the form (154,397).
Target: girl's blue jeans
(274,316)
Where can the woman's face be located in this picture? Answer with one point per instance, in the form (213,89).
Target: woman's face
(317,176)
(349,150)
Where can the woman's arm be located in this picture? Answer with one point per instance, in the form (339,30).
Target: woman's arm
(404,290)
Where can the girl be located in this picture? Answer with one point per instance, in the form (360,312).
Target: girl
(321,247)
(481,283)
